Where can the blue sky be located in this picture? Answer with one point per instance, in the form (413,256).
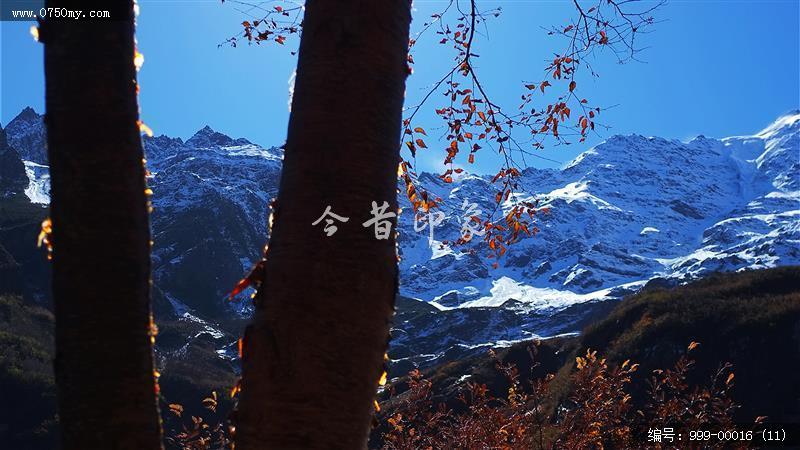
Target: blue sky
(717,68)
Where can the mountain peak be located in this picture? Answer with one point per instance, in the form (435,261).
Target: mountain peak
(26,133)
(786,123)
(207,137)
(26,118)
(27,114)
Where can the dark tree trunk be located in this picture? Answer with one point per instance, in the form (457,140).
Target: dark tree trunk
(101,236)
(314,352)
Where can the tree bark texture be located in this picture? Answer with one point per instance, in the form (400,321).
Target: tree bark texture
(101,236)
(314,352)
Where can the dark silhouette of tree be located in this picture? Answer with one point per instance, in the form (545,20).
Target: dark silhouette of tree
(100,234)
(314,352)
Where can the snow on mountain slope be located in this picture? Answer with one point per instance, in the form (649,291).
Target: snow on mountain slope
(624,212)
(210,214)
(628,210)
(38,190)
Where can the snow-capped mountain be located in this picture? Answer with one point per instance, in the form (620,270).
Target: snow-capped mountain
(211,197)
(628,210)
(625,212)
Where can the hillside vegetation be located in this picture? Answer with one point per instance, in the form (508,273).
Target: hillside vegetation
(27,386)
(750,320)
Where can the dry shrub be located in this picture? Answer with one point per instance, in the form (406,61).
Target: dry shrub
(209,430)
(598,413)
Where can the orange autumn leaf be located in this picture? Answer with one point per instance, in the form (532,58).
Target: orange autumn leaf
(243,284)
(252,279)
(412,148)
(176,409)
